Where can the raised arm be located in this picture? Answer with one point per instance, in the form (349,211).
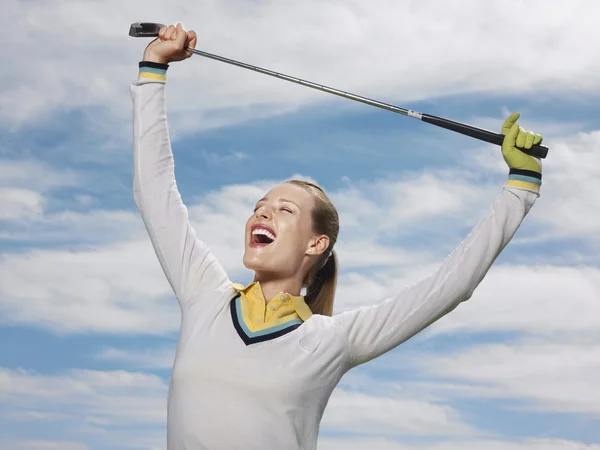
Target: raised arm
(186,261)
(371,331)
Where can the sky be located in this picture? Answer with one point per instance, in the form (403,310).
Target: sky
(88,323)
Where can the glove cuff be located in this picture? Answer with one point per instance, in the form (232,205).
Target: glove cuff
(152,71)
(524,179)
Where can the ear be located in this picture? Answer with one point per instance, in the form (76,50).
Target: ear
(318,245)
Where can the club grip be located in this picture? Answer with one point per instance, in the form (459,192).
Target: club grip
(539,151)
(145,29)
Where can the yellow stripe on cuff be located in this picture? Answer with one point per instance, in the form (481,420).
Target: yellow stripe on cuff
(523,185)
(154,76)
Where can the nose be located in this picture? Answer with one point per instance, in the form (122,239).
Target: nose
(263,213)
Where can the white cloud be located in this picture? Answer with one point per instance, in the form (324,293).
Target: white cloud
(535,299)
(412,201)
(43,445)
(222,158)
(569,206)
(35,175)
(387,444)
(161,358)
(551,375)
(571,182)
(436,49)
(356,412)
(20,204)
(118,288)
(93,389)
(103,408)
(84,228)
(112,281)
(103,285)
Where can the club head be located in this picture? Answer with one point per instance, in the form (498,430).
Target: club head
(144,29)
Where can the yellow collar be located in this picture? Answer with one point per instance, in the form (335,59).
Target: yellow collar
(254,291)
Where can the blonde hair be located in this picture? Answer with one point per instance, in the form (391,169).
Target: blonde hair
(321,280)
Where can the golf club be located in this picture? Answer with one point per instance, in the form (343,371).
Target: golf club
(150,29)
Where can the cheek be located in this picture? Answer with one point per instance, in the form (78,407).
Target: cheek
(297,229)
(305,225)
(288,228)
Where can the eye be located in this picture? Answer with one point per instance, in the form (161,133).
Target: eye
(286,209)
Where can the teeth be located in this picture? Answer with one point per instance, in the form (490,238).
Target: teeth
(264,232)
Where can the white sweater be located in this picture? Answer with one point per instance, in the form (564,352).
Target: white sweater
(227,394)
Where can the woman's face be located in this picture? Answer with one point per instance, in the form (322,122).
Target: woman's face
(280,232)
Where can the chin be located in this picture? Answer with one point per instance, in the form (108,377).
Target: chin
(256,262)
(263,262)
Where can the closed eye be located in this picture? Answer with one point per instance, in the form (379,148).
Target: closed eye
(287,210)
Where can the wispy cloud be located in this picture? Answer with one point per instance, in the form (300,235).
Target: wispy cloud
(549,375)
(43,445)
(119,288)
(451,59)
(36,175)
(56,288)
(498,444)
(20,204)
(359,413)
(161,358)
(97,407)
(505,302)
(223,159)
(76,260)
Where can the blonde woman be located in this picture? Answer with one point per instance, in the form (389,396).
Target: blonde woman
(256,365)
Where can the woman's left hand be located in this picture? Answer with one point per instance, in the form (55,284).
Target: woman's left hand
(515,139)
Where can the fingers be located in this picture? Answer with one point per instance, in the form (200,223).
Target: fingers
(180,36)
(161,32)
(527,139)
(509,122)
(168,33)
(521,137)
(171,45)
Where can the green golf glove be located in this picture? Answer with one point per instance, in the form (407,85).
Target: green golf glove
(525,170)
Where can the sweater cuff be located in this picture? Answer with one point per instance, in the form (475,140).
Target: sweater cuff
(524,179)
(152,71)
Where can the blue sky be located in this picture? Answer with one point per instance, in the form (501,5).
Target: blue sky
(88,323)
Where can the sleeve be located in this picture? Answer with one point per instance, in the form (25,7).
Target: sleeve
(186,261)
(373,330)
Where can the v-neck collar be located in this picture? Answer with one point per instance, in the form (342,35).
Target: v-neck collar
(258,321)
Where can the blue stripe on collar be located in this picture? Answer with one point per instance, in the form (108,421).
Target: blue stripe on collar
(267,334)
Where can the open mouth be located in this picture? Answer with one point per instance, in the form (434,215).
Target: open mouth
(262,236)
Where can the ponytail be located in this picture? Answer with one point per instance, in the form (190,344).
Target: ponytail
(321,279)
(320,290)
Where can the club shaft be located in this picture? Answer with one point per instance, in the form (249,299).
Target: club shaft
(539,151)
(152,29)
(310,84)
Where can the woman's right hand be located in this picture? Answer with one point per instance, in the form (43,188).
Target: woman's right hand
(170,45)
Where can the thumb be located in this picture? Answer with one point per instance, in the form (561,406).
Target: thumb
(510,138)
(509,122)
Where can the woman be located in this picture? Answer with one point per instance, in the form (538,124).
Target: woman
(256,364)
